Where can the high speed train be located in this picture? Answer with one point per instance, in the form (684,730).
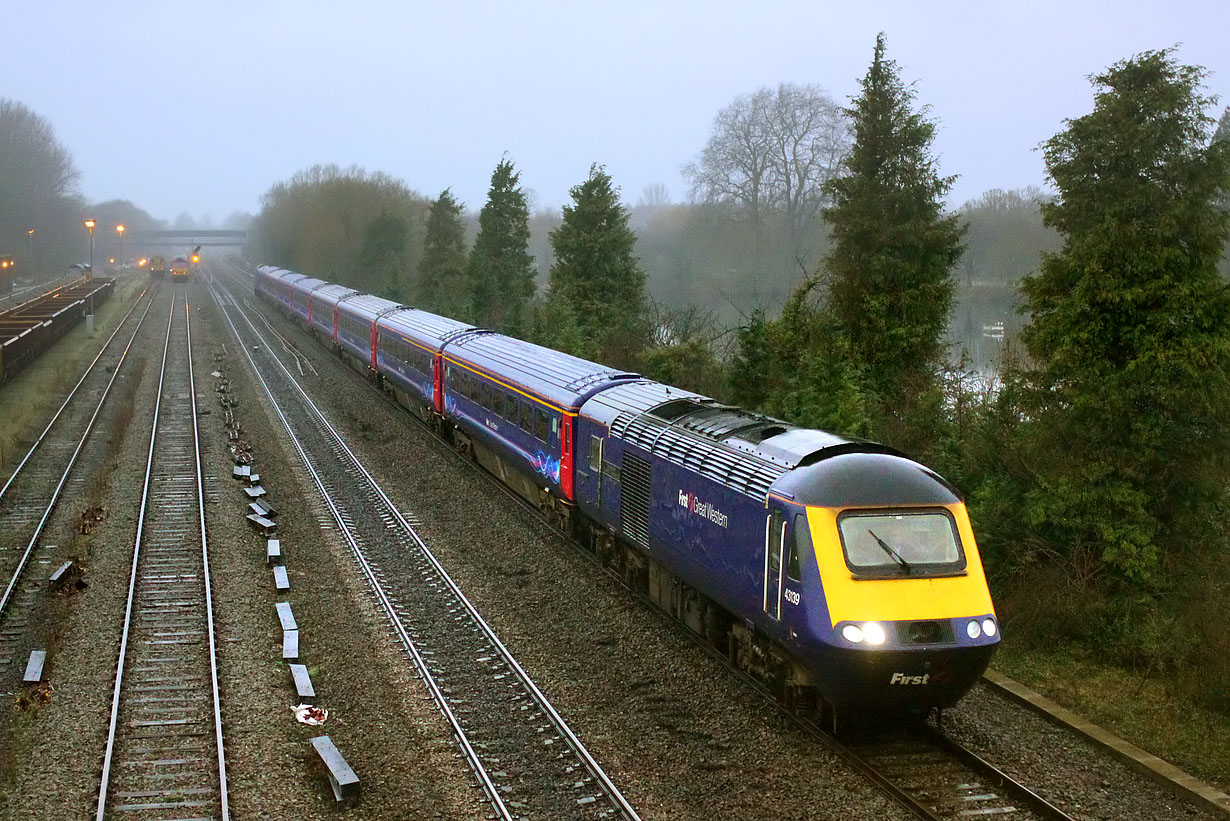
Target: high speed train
(842,574)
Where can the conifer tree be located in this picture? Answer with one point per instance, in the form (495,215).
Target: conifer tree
(1130,326)
(597,273)
(442,286)
(893,248)
(501,270)
(383,254)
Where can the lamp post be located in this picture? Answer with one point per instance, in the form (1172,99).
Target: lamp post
(30,236)
(89,310)
(120,228)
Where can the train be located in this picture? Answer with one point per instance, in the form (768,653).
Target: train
(179,268)
(158,266)
(838,572)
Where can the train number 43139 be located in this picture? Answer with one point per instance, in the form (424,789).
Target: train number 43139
(791,596)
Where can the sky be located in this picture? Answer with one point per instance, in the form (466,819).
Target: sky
(203,108)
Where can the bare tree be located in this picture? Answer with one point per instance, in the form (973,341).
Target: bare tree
(654,195)
(735,166)
(38,187)
(810,138)
(772,151)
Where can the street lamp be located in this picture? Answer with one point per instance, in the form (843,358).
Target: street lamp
(89,224)
(30,235)
(89,311)
(120,228)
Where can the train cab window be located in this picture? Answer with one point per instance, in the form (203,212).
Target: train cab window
(901,543)
(774,546)
(595,453)
(798,541)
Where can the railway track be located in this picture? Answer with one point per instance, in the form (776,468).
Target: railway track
(165,756)
(925,771)
(526,759)
(45,475)
(935,777)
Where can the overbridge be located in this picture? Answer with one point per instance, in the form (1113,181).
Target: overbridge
(192,237)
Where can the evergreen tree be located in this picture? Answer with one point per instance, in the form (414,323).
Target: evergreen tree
(382,256)
(1130,326)
(501,270)
(893,249)
(442,286)
(596,271)
(753,355)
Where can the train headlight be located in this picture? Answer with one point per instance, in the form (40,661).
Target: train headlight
(852,633)
(874,633)
(989,628)
(973,630)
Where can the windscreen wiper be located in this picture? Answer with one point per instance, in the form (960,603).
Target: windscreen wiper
(889,550)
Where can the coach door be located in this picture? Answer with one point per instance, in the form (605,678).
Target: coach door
(774,555)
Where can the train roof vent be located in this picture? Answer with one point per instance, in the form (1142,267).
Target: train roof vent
(675,408)
(579,385)
(462,335)
(707,456)
(758,433)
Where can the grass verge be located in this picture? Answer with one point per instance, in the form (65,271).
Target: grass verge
(1140,709)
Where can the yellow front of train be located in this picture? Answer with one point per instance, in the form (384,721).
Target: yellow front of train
(900,615)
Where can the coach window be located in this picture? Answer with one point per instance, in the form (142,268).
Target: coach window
(527,418)
(540,424)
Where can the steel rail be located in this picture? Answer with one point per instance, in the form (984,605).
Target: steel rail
(132,581)
(207,579)
(55,496)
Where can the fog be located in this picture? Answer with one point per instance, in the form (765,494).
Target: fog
(198,110)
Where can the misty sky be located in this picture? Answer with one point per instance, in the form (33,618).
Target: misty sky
(200,108)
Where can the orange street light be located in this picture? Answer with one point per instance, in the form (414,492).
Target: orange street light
(120,228)
(89,224)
